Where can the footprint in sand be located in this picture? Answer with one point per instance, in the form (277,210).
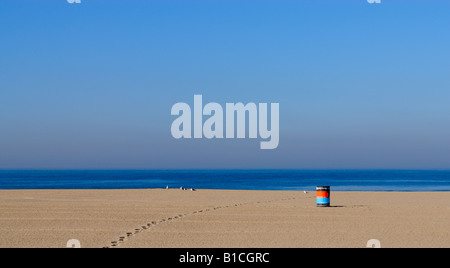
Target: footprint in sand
(136,231)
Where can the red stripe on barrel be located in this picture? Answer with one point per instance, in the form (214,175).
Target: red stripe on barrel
(323,194)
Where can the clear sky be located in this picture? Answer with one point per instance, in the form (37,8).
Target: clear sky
(91,85)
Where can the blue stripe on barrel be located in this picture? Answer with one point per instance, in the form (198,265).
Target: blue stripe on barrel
(323,200)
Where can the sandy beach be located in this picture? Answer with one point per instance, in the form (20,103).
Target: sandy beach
(218,218)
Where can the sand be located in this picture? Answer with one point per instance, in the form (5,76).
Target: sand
(217,218)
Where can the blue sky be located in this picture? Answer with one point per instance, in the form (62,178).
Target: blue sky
(91,85)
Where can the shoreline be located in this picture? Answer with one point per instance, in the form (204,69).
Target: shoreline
(224,189)
(278,180)
(222,218)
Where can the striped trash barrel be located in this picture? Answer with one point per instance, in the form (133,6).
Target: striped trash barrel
(323,196)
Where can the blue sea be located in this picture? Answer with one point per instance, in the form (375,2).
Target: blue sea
(339,180)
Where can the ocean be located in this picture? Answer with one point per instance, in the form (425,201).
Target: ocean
(339,180)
